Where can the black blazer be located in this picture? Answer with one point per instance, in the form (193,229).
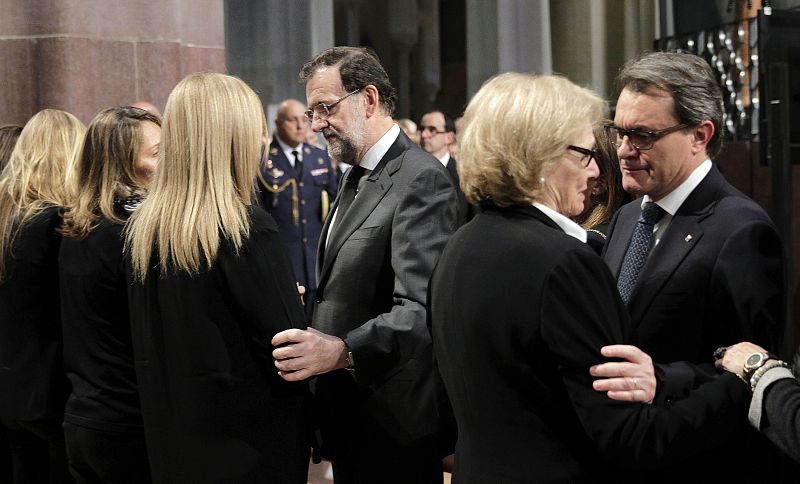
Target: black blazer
(32,380)
(214,407)
(466,211)
(98,353)
(372,292)
(519,312)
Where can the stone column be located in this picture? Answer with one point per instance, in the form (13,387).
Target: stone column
(83,56)
(506,35)
(402,30)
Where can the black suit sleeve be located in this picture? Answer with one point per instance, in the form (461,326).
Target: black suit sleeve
(261,286)
(780,417)
(577,320)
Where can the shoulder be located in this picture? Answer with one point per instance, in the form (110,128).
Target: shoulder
(260,220)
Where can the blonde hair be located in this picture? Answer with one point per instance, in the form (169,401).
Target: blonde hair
(514,128)
(38,173)
(210,148)
(105,169)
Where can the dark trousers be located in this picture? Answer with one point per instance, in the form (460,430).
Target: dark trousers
(97,456)
(37,451)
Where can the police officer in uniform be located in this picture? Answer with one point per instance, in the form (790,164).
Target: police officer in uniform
(297,186)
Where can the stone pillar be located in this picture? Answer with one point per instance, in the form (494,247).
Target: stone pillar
(268,41)
(402,30)
(506,35)
(83,56)
(428,62)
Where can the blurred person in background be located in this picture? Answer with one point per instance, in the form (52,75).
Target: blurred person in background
(8,139)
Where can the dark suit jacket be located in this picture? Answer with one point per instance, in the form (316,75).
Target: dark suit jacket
(715,278)
(300,237)
(465,209)
(519,313)
(372,292)
(32,380)
(214,408)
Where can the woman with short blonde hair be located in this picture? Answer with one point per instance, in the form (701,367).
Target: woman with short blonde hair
(210,287)
(33,190)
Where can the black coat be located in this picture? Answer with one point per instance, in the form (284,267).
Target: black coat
(519,313)
(32,380)
(214,407)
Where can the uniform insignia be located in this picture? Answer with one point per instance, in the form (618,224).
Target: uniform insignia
(268,163)
(319,171)
(273,151)
(276,173)
(319,160)
(307,150)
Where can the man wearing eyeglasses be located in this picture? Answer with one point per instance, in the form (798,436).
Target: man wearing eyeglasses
(369,348)
(698,264)
(437,133)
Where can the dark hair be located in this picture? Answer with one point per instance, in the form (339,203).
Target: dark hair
(449,123)
(688,79)
(9,134)
(358,67)
(611,178)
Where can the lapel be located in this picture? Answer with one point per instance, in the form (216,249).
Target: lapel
(680,238)
(453,169)
(371,193)
(624,224)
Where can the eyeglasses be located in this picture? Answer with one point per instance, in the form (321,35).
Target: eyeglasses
(431,130)
(588,155)
(639,138)
(323,111)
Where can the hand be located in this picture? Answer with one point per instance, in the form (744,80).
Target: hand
(735,357)
(633,380)
(307,352)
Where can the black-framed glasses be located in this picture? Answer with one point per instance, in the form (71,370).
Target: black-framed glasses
(323,111)
(431,130)
(640,139)
(588,155)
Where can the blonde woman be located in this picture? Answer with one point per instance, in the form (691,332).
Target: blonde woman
(210,287)
(102,421)
(33,387)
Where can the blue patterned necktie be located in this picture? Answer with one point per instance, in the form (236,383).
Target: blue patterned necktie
(638,249)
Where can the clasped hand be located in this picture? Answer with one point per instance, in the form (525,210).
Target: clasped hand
(632,380)
(303,353)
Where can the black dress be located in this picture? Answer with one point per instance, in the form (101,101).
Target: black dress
(214,407)
(102,420)
(33,387)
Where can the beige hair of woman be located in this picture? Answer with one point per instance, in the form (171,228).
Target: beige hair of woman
(38,174)
(104,170)
(515,128)
(211,138)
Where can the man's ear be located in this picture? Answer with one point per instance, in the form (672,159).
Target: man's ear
(703,133)
(373,99)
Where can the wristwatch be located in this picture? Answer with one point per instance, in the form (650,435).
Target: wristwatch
(753,363)
(351,366)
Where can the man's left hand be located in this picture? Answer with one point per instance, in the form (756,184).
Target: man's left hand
(304,353)
(632,380)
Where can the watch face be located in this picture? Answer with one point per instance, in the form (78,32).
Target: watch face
(753,359)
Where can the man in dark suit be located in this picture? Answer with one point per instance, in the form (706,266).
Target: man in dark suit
(437,132)
(298,185)
(369,344)
(698,264)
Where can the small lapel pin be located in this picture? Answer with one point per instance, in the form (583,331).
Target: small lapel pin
(688,237)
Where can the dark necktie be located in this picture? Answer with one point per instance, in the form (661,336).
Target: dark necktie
(639,248)
(298,166)
(349,191)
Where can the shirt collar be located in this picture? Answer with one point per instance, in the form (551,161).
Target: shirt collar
(379,149)
(288,149)
(568,226)
(674,199)
(445,159)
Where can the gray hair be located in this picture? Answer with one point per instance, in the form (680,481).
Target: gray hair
(688,79)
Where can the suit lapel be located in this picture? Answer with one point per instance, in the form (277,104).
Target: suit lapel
(369,196)
(679,239)
(624,225)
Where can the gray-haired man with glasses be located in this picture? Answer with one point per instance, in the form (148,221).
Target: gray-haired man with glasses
(698,264)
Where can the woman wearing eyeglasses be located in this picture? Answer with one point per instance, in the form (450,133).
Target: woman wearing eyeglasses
(209,287)
(520,307)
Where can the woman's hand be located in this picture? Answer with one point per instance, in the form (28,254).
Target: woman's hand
(632,380)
